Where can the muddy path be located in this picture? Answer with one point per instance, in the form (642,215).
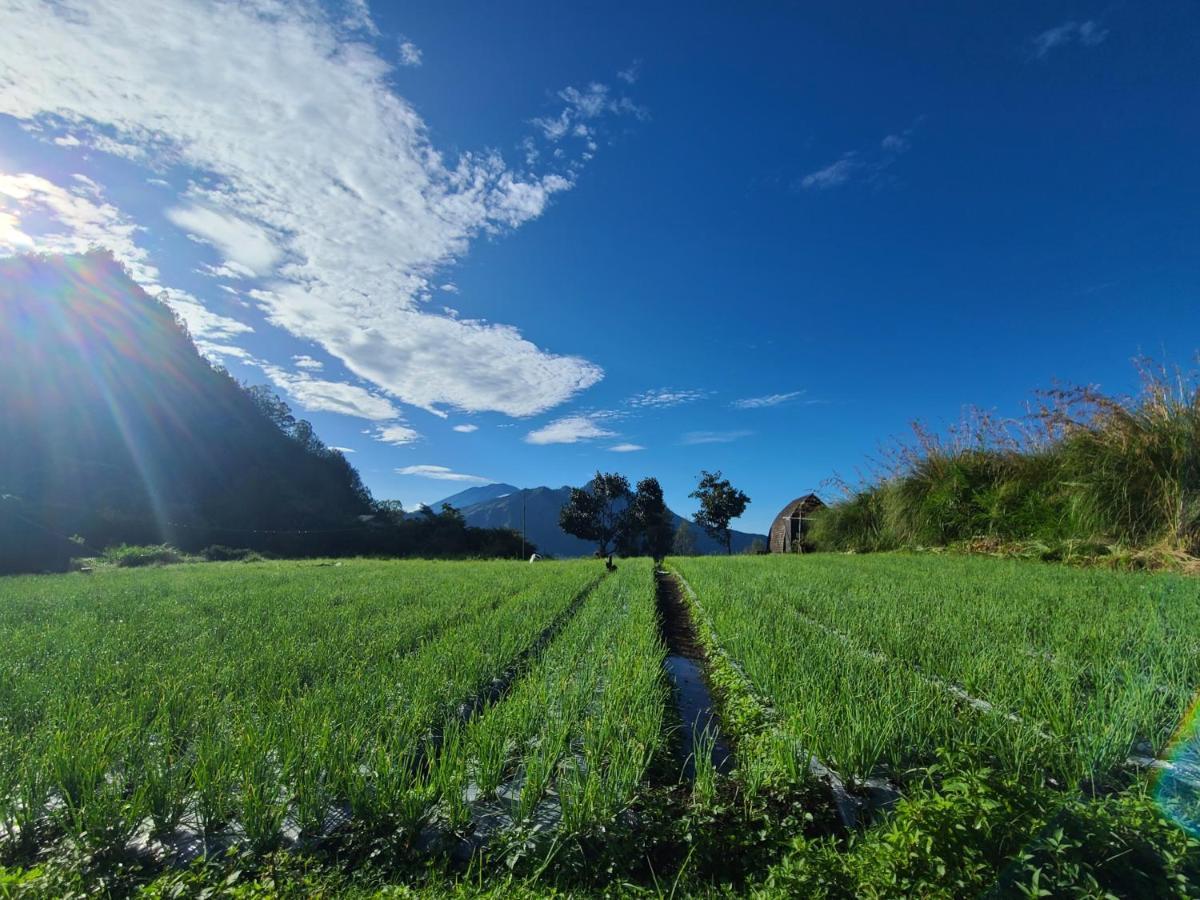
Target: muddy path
(686,666)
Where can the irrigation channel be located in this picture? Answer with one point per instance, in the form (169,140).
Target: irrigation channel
(685,664)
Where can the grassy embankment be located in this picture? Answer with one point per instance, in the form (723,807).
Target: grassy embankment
(1085,477)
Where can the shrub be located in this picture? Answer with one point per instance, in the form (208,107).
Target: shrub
(128,556)
(1084,470)
(221,553)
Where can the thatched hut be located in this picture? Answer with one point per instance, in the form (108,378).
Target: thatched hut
(790,526)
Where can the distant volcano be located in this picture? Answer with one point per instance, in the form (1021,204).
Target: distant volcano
(499,506)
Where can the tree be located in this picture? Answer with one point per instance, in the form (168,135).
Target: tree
(390,511)
(598,513)
(720,502)
(650,522)
(685,542)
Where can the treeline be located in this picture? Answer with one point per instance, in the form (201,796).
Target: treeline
(1084,474)
(116,431)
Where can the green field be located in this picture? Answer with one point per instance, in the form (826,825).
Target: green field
(461,726)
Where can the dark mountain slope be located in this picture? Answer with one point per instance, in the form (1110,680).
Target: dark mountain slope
(116,429)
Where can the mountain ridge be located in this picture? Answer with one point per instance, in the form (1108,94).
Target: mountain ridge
(541,505)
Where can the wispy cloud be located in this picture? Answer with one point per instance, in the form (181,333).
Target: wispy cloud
(410,53)
(441,473)
(569,430)
(833,175)
(308,363)
(713,437)
(1086,34)
(398,435)
(631,73)
(344,449)
(582,108)
(665,397)
(866,165)
(466,429)
(765,401)
(626,448)
(76,218)
(343,222)
(319,395)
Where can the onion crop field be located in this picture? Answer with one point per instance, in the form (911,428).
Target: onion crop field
(874,662)
(930,724)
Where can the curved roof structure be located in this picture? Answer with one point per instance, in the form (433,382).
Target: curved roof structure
(787,531)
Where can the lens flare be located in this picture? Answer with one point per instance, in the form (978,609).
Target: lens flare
(1177,778)
(90,363)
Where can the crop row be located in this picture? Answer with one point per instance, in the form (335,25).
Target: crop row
(571,744)
(857,655)
(249,698)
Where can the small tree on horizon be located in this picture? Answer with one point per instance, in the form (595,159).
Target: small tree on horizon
(598,513)
(685,542)
(720,503)
(650,523)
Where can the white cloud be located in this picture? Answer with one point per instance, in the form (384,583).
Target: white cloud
(768,400)
(318,395)
(626,448)
(69,221)
(631,74)
(308,363)
(714,437)
(581,107)
(240,242)
(466,429)
(398,435)
(77,219)
(1086,34)
(833,175)
(568,430)
(868,165)
(202,323)
(410,53)
(665,397)
(297,144)
(441,473)
(344,449)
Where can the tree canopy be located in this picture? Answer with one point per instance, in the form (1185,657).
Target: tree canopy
(598,512)
(720,503)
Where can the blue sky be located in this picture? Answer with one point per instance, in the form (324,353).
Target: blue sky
(497,241)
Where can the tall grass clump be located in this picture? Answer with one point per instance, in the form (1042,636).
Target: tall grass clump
(1136,464)
(1083,468)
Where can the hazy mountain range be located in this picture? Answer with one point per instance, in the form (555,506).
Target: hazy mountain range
(500,506)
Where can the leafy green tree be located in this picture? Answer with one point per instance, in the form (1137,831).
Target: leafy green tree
(650,522)
(720,503)
(684,543)
(390,511)
(598,513)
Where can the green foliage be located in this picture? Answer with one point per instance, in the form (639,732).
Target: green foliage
(221,553)
(599,512)
(970,830)
(684,542)
(720,503)
(130,557)
(1102,471)
(856,653)
(649,532)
